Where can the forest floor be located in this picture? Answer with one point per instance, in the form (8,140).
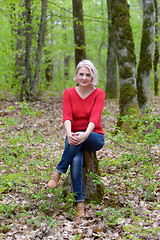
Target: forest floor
(31,146)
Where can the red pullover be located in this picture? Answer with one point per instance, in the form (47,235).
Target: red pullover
(82,111)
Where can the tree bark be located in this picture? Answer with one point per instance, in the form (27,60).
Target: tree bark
(102,43)
(146,53)
(93,190)
(66,68)
(67,56)
(20,46)
(79,33)
(126,61)
(49,71)
(111,84)
(41,37)
(28,37)
(156,51)
(49,68)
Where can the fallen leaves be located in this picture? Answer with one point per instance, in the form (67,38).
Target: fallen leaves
(131,204)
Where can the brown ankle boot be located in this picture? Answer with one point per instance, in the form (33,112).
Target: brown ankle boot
(54,180)
(80,209)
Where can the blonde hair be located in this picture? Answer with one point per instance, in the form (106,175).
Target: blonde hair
(88,64)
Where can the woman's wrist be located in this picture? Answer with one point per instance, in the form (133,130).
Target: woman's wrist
(86,133)
(67,125)
(68,134)
(90,128)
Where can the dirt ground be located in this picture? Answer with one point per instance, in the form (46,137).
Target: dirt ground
(95,223)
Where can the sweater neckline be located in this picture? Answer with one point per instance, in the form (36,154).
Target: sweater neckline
(85,97)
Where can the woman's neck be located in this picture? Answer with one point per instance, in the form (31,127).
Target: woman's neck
(85,91)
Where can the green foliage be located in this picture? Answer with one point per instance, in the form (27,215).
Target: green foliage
(96,178)
(77,237)
(7,210)
(25,111)
(59,41)
(113,215)
(132,172)
(22,172)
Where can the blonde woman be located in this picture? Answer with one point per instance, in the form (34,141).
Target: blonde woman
(82,109)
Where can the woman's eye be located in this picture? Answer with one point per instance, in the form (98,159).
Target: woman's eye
(87,75)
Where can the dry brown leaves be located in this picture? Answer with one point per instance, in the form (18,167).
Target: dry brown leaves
(95,224)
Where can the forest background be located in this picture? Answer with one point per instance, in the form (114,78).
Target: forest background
(57,61)
(40,59)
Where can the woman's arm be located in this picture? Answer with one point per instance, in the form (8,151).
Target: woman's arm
(67,126)
(97,109)
(82,136)
(72,137)
(78,137)
(89,129)
(67,118)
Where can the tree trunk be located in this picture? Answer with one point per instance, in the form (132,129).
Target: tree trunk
(20,46)
(156,52)
(67,56)
(66,68)
(102,43)
(28,36)
(111,84)
(126,61)
(41,37)
(146,53)
(49,67)
(79,34)
(49,71)
(93,190)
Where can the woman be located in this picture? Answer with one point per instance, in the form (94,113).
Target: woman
(82,109)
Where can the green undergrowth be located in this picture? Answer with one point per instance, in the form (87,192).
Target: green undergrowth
(130,174)
(25,168)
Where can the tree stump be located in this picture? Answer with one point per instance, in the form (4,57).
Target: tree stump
(93,190)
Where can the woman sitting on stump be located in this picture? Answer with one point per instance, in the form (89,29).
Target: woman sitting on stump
(82,109)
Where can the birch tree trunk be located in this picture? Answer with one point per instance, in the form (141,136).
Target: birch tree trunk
(41,37)
(156,51)
(126,60)
(111,84)
(146,53)
(79,34)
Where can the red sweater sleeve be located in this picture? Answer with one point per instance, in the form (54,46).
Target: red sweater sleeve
(97,109)
(67,108)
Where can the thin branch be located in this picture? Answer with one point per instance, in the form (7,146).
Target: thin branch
(86,17)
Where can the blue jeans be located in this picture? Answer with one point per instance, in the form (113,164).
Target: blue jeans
(73,156)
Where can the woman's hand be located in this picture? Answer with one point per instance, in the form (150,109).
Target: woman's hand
(76,138)
(82,136)
(73,138)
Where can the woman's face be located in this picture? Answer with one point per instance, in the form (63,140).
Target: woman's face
(84,77)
